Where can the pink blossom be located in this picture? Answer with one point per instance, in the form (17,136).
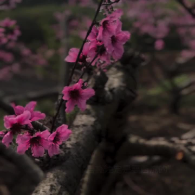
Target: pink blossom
(159,44)
(108,25)
(73,53)
(56,138)
(35,115)
(187,54)
(14,123)
(11,31)
(115,43)
(6,56)
(5,73)
(103,55)
(75,95)
(38,143)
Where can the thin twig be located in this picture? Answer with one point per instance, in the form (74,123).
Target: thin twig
(77,60)
(189,10)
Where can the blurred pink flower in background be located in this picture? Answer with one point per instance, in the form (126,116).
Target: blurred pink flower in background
(159,44)
(6,56)
(11,30)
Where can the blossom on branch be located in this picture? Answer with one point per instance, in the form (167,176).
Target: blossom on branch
(15,124)
(114,44)
(61,134)
(105,42)
(75,95)
(9,30)
(73,53)
(37,142)
(35,115)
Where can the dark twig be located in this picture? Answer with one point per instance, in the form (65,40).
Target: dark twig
(188,9)
(77,60)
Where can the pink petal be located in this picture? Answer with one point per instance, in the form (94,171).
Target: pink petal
(18,109)
(52,136)
(36,115)
(7,139)
(37,151)
(87,93)
(93,35)
(9,121)
(116,14)
(80,82)
(53,149)
(86,48)
(24,118)
(82,104)
(31,106)
(118,27)
(100,34)
(64,132)
(22,139)
(65,92)
(70,105)
(2,133)
(123,36)
(22,148)
(45,134)
(72,55)
(118,52)
(45,143)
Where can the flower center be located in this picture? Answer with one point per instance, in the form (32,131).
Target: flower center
(9,30)
(74,94)
(113,39)
(82,58)
(57,138)
(105,24)
(35,140)
(101,49)
(16,128)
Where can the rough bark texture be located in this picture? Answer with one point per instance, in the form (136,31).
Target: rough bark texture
(18,174)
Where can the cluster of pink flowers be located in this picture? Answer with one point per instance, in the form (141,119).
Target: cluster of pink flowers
(9,31)
(157,18)
(8,4)
(26,59)
(104,44)
(20,125)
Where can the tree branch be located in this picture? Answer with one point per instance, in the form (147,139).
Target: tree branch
(18,174)
(188,9)
(160,147)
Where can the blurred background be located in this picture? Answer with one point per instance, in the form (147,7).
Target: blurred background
(40,33)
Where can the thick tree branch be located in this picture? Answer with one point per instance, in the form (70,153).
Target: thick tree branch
(18,174)
(188,9)
(136,146)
